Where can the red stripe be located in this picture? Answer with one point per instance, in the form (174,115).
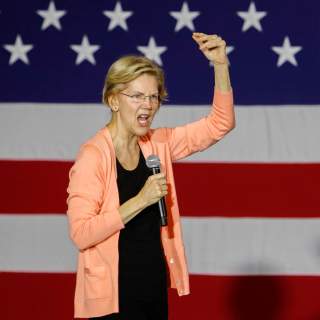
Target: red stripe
(249,298)
(50,297)
(248,190)
(235,190)
(33,186)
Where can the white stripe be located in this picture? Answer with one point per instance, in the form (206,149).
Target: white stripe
(230,246)
(36,243)
(263,133)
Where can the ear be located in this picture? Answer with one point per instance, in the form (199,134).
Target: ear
(113,102)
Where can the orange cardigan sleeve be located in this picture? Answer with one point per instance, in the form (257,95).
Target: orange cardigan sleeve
(88,223)
(199,135)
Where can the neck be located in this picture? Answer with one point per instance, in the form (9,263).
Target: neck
(122,139)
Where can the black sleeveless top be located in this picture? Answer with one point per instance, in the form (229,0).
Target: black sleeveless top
(142,269)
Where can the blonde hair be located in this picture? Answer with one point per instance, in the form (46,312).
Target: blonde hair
(128,68)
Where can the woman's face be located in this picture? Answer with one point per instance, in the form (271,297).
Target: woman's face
(138,104)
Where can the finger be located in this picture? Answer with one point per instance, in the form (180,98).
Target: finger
(200,34)
(197,40)
(204,38)
(163,193)
(157,176)
(164,187)
(162,181)
(161,187)
(208,45)
(198,37)
(213,44)
(213,37)
(203,43)
(197,34)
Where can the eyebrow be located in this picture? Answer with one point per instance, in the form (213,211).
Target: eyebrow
(139,92)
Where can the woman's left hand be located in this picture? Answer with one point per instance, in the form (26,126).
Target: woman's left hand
(212,46)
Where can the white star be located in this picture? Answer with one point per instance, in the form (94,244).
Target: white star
(286,52)
(184,17)
(51,16)
(229,49)
(152,51)
(118,17)
(252,17)
(85,51)
(18,51)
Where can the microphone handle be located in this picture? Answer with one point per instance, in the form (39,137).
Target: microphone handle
(162,206)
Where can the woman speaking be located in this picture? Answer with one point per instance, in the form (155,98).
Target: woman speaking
(127,260)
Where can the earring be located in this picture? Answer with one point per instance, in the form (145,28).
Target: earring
(115,109)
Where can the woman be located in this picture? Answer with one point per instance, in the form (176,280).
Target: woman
(126,260)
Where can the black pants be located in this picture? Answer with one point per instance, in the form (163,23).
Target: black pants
(133,309)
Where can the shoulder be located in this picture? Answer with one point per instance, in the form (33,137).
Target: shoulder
(96,148)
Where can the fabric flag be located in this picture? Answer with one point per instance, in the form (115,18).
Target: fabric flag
(250,204)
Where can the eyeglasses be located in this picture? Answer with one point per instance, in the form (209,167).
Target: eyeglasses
(139,98)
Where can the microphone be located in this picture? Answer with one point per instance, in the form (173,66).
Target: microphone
(153,163)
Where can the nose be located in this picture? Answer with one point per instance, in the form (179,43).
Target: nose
(147,102)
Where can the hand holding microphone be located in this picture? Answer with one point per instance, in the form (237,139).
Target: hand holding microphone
(155,188)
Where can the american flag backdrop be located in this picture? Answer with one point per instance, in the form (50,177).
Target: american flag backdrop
(250,205)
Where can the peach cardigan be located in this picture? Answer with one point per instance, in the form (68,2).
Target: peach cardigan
(93,202)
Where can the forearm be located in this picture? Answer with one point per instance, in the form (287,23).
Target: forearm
(88,228)
(131,208)
(222,77)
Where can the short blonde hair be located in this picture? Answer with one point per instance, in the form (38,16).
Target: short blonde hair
(128,68)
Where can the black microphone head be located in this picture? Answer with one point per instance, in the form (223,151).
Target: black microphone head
(153,161)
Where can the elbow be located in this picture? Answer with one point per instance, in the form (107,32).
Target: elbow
(232,124)
(228,126)
(78,240)
(222,124)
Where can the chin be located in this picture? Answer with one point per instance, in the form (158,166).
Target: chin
(141,131)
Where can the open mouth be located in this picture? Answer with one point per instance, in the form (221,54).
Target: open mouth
(143,119)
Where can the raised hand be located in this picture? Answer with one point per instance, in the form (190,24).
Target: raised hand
(212,46)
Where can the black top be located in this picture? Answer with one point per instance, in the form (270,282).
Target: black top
(142,271)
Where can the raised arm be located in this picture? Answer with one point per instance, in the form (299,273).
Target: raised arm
(214,49)
(201,134)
